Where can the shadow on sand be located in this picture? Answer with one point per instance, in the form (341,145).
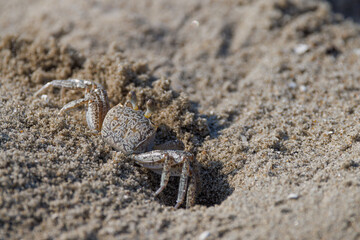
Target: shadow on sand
(348,8)
(213,187)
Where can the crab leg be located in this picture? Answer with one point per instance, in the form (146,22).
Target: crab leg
(95,97)
(156,160)
(69,83)
(192,188)
(73,104)
(165,175)
(183,182)
(152,160)
(167,163)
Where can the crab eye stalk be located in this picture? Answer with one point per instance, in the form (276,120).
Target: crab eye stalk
(149,108)
(133,100)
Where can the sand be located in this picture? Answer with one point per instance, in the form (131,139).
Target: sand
(265,94)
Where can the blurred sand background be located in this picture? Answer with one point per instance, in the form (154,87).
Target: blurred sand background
(265,93)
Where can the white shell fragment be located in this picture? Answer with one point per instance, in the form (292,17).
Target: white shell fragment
(301,48)
(303,88)
(204,235)
(195,23)
(45,98)
(293,196)
(357,51)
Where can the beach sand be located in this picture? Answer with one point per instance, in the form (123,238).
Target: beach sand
(264,93)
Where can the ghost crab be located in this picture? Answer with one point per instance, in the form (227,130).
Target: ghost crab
(130,131)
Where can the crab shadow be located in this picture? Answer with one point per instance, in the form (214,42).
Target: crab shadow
(348,8)
(213,187)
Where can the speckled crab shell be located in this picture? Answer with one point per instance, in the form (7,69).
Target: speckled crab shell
(128,130)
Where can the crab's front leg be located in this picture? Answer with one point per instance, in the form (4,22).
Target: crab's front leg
(95,98)
(69,83)
(171,163)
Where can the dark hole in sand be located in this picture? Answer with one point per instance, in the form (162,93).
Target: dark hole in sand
(348,8)
(214,188)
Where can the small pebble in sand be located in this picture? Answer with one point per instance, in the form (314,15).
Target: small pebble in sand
(292,85)
(195,23)
(357,51)
(45,98)
(243,139)
(293,196)
(204,235)
(301,48)
(303,88)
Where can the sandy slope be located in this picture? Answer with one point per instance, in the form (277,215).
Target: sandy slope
(264,93)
